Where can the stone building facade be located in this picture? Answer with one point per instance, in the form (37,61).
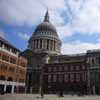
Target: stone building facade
(43,43)
(93,58)
(70,77)
(91,62)
(44,49)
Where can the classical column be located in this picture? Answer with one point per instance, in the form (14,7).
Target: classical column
(96,60)
(45,44)
(36,44)
(54,45)
(12,89)
(42,44)
(31,89)
(33,44)
(49,44)
(39,44)
(5,86)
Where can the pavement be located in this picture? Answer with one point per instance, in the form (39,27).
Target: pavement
(46,97)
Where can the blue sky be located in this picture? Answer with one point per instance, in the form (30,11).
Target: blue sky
(77,22)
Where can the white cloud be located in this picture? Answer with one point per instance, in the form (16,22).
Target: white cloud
(23,36)
(85,14)
(78,47)
(88,20)
(2,33)
(28,12)
(20,12)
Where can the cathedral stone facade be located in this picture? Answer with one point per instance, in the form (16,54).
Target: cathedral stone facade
(44,52)
(43,43)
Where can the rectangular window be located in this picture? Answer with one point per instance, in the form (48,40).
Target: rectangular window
(14,51)
(66,78)
(12,60)
(71,77)
(22,64)
(7,47)
(77,77)
(11,69)
(60,77)
(83,76)
(83,67)
(3,67)
(66,68)
(54,78)
(60,68)
(6,58)
(49,78)
(71,68)
(55,69)
(49,69)
(77,67)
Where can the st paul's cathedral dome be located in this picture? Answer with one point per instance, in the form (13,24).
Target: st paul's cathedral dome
(45,38)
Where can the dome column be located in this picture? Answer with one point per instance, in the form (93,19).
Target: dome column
(39,44)
(53,45)
(49,44)
(42,43)
(45,44)
(35,43)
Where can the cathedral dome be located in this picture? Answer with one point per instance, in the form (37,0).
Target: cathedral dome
(46,26)
(45,38)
